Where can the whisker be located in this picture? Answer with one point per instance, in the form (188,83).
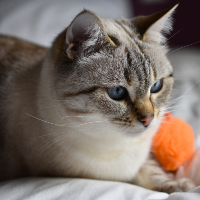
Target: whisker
(183,47)
(47,145)
(51,106)
(179,107)
(64,132)
(183,95)
(176,99)
(118,122)
(172,107)
(45,120)
(163,128)
(175,34)
(165,122)
(63,100)
(77,117)
(43,135)
(174,110)
(88,123)
(62,124)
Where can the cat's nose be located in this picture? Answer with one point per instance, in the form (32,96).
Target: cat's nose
(146,120)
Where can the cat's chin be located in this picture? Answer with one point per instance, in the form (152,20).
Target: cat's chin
(136,133)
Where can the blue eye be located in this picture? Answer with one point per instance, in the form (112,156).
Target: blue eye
(156,87)
(117,93)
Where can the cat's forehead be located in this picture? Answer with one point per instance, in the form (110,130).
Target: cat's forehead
(119,28)
(137,52)
(125,66)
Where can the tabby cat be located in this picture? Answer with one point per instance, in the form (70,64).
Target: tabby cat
(90,105)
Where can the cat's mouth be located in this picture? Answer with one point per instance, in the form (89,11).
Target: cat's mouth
(123,121)
(132,127)
(128,122)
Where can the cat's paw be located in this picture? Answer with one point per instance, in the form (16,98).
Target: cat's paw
(181,185)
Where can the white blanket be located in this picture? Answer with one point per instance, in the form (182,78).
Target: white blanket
(83,189)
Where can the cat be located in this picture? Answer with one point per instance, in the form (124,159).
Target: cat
(89,106)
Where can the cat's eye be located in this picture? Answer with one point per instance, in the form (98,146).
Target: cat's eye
(117,93)
(156,87)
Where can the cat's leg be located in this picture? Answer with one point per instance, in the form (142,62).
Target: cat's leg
(152,176)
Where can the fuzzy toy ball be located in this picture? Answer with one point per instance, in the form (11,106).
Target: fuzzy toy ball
(174,143)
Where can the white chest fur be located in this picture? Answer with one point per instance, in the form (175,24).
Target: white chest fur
(118,158)
(94,148)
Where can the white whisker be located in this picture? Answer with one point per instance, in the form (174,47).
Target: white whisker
(77,117)
(176,100)
(43,135)
(183,47)
(50,106)
(45,120)
(175,34)
(47,145)
(89,123)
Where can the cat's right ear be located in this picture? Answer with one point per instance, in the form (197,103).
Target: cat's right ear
(152,28)
(85,31)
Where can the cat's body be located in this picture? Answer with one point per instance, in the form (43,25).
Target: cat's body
(59,116)
(23,106)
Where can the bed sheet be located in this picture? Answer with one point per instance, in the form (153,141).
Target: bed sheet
(83,189)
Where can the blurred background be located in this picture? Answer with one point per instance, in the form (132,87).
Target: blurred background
(40,21)
(186,29)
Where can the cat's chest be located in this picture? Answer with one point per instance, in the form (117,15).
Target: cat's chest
(93,148)
(118,162)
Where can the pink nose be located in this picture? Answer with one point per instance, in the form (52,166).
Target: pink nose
(146,120)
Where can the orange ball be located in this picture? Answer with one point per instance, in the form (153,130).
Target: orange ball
(174,142)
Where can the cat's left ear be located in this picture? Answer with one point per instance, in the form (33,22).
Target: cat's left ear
(153,27)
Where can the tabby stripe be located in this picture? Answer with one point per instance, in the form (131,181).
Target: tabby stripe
(142,59)
(126,72)
(154,72)
(76,112)
(126,75)
(90,90)
(147,71)
(145,67)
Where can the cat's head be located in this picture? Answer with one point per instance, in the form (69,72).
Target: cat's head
(117,69)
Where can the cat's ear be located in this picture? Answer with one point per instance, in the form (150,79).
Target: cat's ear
(153,27)
(86,31)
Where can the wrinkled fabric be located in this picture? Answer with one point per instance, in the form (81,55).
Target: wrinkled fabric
(83,189)
(73,189)
(193,195)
